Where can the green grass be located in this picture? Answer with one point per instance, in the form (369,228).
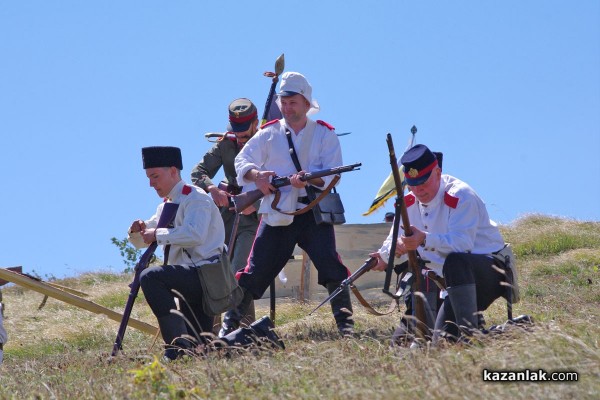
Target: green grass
(546,236)
(63,352)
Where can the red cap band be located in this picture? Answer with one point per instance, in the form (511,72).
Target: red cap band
(241,120)
(424,171)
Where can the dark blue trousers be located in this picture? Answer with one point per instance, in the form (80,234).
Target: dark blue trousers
(157,284)
(467,268)
(463,269)
(274,245)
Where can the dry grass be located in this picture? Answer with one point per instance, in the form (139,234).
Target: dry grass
(61,351)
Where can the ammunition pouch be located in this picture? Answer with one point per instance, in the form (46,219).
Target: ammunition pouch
(220,290)
(330,209)
(505,259)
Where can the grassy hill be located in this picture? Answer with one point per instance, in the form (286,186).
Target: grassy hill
(61,351)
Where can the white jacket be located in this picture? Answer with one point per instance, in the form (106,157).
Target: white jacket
(198,227)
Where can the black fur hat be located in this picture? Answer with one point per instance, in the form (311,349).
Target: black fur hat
(161,156)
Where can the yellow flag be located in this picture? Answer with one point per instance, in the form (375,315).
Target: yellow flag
(386,191)
(388,188)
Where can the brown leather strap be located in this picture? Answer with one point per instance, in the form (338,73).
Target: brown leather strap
(309,206)
(392,307)
(438,280)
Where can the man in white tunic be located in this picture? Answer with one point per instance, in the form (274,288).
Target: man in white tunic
(195,238)
(451,229)
(268,153)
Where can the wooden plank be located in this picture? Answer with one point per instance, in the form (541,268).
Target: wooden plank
(305,278)
(18,269)
(72,299)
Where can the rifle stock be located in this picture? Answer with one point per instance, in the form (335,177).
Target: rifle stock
(166,217)
(244,200)
(367,266)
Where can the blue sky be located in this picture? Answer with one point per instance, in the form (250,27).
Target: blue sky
(509,91)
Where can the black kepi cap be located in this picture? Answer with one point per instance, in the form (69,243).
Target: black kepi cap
(418,162)
(162,156)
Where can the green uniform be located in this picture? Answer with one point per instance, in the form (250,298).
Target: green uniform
(222,154)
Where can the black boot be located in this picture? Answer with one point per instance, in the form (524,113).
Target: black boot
(341,306)
(232,318)
(464,303)
(430,311)
(264,328)
(259,331)
(175,335)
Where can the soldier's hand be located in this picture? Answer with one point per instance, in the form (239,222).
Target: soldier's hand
(149,235)
(413,241)
(296,181)
(220,197)
(263,182)
(400,248)
(381,265)
(137,226)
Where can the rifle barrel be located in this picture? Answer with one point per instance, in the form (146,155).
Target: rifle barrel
(368,265)
(328,299)
(331,171)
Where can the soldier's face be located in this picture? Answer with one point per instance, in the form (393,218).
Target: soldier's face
(428,189)
(243,137)
(294,108)
(162,179)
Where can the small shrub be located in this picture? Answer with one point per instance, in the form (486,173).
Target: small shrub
(153,380)
(129,253)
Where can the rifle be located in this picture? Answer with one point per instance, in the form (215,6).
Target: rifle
(413,263)
(214,137)
(367,266)
(166,218)
(244,200)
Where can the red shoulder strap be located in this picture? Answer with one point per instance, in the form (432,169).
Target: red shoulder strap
(450,200)
(325,124)
(409,200)
(186,190)
(269,123)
